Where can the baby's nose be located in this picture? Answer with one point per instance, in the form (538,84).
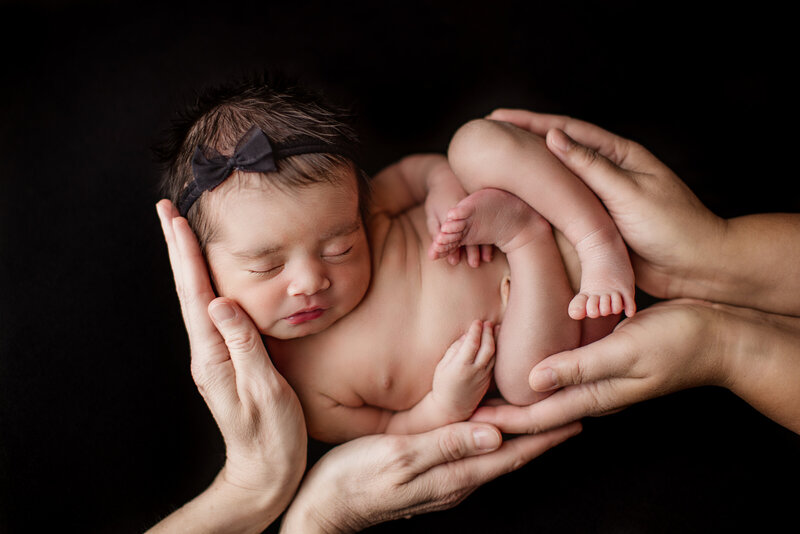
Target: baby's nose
(308,280)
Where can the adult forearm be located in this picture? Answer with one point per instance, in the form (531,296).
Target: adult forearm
(757,266)
(764,351)
(225,508)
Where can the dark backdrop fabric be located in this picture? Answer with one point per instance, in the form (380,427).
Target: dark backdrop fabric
(101,428)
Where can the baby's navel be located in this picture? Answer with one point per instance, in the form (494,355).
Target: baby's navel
(386,383)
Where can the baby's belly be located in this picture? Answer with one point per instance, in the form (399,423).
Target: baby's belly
(435,303)
(451,297)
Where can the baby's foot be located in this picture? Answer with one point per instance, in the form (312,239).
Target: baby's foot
(486,217)
(607,282)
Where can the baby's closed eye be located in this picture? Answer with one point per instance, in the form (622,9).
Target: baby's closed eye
(335,253)
(266,273)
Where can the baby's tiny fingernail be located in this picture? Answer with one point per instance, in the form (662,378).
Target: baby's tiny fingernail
(485,439)
(544,380)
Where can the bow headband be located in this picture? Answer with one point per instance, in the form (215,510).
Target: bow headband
(254,153)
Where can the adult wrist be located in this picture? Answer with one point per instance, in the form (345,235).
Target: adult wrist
(266,501)
(305,518)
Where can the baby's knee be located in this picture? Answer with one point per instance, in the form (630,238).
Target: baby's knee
(483,149)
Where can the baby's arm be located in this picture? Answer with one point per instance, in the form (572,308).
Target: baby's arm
(428,179)
(460,381)
(406,184)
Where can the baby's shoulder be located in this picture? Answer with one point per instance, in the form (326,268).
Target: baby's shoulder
(396,241)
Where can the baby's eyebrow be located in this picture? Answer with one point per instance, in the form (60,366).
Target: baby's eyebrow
(255,253)
(337,231)
(344,229)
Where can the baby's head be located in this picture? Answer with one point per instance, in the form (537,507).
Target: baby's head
(289,244)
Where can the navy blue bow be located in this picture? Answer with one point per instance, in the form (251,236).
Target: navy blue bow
(254,153)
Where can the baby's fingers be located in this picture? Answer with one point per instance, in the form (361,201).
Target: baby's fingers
(487,346)
(473,256)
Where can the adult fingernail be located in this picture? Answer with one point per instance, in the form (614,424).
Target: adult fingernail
(544,380)
(221,312)
(485,439)
(561,140)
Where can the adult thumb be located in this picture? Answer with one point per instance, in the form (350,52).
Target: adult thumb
(247,350)
(605,358)
(606,179)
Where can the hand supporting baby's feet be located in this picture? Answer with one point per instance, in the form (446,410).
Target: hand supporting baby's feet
(464,373)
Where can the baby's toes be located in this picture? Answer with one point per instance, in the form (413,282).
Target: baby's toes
(463,210)
(447,239)
(604,305)
(577,306)
(617,304)
(593,306)
(629,305)
(453,227)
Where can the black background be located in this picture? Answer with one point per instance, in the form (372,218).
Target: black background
(101,428)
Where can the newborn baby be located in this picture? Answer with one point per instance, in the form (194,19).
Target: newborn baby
(371,332)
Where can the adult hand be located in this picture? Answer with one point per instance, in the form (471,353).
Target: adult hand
(383,477)
(667,347)
(669,231)
(680,248)
(257,412)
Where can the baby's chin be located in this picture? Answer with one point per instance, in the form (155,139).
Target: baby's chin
(285,331)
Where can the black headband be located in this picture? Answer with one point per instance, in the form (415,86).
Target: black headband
(254,153)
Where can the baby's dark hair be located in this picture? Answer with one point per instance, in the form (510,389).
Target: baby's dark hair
(220,116)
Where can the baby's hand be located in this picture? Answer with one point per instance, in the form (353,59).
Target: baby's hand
(464,373)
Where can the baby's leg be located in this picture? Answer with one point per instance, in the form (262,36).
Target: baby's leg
(486,153)
(535,324)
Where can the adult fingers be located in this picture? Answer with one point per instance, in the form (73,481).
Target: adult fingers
(607,357)
(448,444)
(195,289)
(564,406)
(537,123)
(512,455)
(166,212)
(195,293)
(603,176)
(616,148)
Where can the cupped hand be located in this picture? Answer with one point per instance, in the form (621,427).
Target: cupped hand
(258,414)
(666,347)
(383,477)
(669,231)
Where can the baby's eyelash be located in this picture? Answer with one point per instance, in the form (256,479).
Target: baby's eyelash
(268,272)
(341,253)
